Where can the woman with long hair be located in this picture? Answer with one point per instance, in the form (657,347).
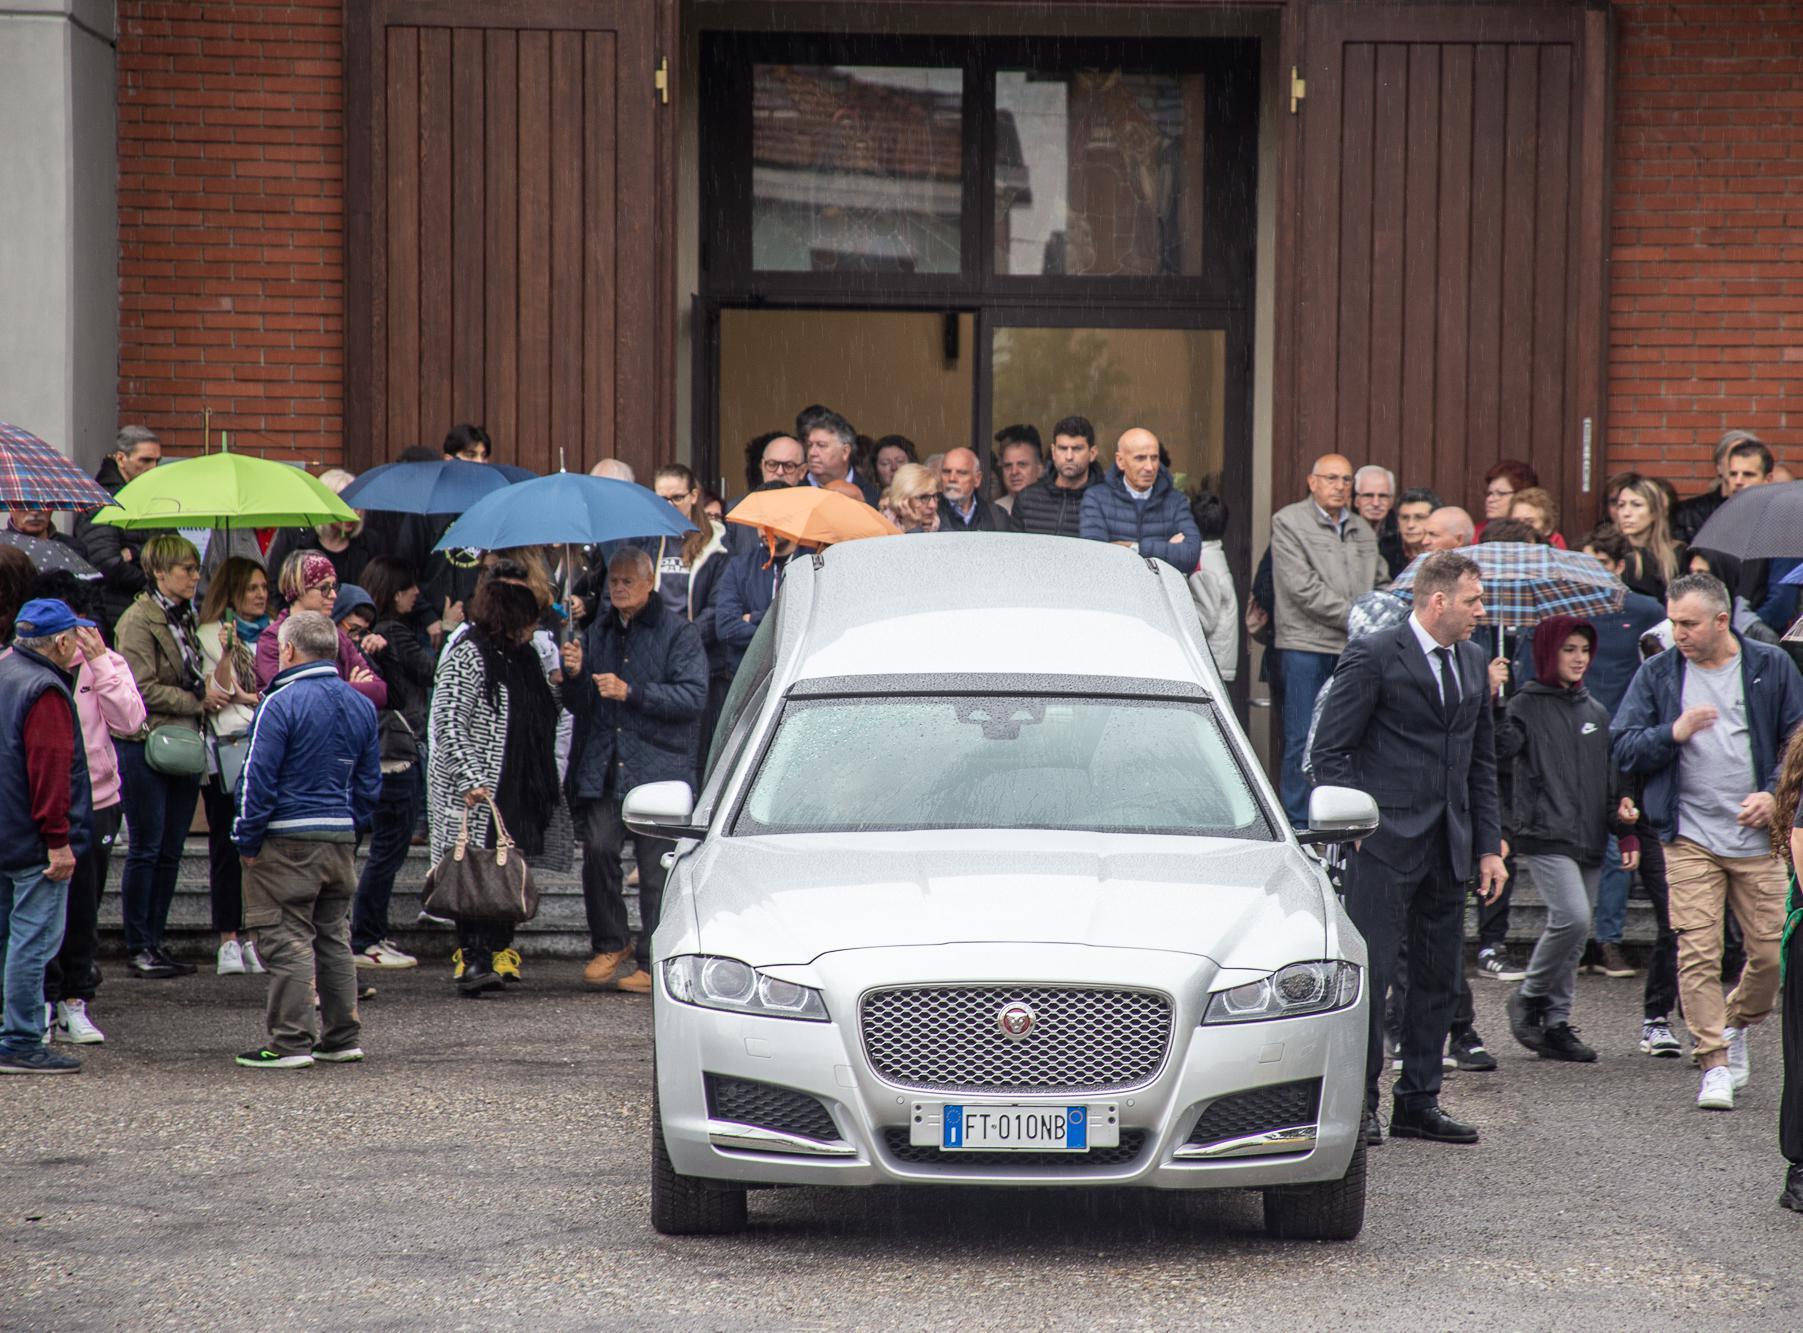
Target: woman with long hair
(232,619)
(679,566)
(1643,515)
(493,728)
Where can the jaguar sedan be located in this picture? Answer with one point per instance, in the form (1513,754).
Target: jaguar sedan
(983,886)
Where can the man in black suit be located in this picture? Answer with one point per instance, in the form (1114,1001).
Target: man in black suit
(1409,721)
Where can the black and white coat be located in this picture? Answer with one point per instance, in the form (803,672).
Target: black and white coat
(465,738)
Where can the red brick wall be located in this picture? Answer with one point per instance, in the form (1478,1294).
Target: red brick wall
(231,217)
(1706,322)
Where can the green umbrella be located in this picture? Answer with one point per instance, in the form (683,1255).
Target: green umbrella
(225,490)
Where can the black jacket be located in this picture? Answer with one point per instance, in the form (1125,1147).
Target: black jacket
(1566,784)
(1690,515)
(1433,776)
(406,667)
(1048,508)
(985,517)
(116,552)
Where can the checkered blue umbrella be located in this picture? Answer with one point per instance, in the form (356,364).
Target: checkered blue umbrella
(33,475)
(1525,582)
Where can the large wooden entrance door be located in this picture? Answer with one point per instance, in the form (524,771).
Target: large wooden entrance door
(504,257)
(1444,293)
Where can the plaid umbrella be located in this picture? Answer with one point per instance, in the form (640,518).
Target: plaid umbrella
(1525,582)
(35,476)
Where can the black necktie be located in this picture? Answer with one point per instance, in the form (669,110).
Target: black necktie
(1449,690)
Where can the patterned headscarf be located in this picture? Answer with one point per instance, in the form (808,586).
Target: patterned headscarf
(315,570)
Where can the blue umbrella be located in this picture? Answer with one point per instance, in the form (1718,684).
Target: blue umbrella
(565,508)
(443,486)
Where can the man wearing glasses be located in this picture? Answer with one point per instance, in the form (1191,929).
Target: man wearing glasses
(1323,555)
(784,460)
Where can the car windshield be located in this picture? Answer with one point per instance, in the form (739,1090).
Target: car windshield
(845,765)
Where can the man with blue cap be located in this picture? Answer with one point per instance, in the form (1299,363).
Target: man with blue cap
(44,821)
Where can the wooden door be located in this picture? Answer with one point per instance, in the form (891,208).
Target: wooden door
(504,257)
(1444,287)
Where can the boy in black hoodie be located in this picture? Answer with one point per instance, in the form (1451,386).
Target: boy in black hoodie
(1568,798)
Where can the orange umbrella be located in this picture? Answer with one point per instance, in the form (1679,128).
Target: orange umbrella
(810,514)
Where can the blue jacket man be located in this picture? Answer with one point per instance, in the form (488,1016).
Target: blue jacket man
(747,588)
(311,778)
(1137,505)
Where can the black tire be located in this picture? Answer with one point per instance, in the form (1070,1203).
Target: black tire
(1332,1210)
(683,1205)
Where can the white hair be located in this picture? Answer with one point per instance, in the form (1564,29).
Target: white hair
(613,469)
(1358,478)
(311,634)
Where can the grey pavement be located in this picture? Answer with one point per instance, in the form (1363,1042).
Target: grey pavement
(486,1167)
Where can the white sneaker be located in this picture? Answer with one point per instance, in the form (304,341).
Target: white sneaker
(384,954)
(1740,1067)
(49,1021)
(231,959)
(1717,1093)
(253,962)
(74,1026)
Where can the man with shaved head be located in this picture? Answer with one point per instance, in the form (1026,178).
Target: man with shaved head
(1138,506)
(962,507)
(1323,556)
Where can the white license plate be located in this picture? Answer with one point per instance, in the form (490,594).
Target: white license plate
(1012,1127)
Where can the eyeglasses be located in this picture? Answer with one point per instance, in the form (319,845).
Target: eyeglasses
(771,465)
(187,567)
(1494,493)
(323,588)
(1334,478)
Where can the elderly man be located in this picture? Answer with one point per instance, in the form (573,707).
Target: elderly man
(1447,529)
(1374,496)
(1323,556)
(1054,504)
(45,821)
(962,507)
(116,552)
(38,523)
(311,778)
(831,441)
(1138,506)
(636,685)
(1021,461)
(1700,722)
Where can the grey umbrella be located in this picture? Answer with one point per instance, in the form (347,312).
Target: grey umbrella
(1761,523)
(48,555)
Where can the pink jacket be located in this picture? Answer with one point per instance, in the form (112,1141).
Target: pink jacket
(107,701)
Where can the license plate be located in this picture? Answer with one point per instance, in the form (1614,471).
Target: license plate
(1008,1127)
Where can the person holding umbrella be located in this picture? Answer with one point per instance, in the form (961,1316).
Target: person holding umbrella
(118,553)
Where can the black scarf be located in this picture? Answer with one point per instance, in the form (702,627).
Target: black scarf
(527,791)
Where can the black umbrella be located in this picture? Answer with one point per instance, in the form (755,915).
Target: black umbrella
(1761,523)
(48,555)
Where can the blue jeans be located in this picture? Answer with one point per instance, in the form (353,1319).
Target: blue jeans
(390,835)
(1303,676)
(158,811)
(31,931)
(1612,898)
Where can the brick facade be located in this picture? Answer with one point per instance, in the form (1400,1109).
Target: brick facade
(1706,258)
(231,222)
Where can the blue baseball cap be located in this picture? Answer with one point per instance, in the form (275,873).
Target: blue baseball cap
(44,616)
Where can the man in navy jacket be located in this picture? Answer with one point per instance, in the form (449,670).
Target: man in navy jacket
(1138,507)
(311,778)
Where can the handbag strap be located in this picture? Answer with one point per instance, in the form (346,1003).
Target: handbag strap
(503,840)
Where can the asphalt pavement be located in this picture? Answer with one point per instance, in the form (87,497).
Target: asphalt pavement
(486,1167)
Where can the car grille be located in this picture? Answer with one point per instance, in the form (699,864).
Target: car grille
(1279,1106)
(947,1039)
(895,1140)
(781,1109)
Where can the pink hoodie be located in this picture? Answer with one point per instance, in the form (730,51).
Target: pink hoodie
(107,701)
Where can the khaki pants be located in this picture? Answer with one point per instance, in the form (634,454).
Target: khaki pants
(1704,887)
(297,898)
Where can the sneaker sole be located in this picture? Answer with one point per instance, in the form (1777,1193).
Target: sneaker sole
(365,961)
(1714,1106)
(70,1039)
(1661,1053)
(349,1057)
(290,1062)
(1619,975)
(1503,976)
(20,1069)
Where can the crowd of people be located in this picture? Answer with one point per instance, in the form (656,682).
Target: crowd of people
(315,689)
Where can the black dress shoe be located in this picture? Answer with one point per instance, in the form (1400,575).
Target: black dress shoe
(181,969)
(1430,1123)
(1374,1130)
(1792,1198)
(149,964)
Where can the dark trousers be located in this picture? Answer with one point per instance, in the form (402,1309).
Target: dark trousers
(225,872)
(390,835)
(158,811)
(603,833)
(70,974)
(1493,918)
(1464,1007)
(1421,910)
(1790,1099)
(1662,967)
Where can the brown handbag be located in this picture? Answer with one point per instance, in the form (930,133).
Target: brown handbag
(482,883)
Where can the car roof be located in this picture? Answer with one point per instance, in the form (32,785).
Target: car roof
(989,603)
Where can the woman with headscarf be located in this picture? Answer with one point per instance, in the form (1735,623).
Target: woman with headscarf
(309,583)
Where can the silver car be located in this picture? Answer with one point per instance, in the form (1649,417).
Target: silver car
(984,886)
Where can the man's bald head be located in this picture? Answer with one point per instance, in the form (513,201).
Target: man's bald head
(959,475)
(1448,528)
(1330,483)
(1136,455)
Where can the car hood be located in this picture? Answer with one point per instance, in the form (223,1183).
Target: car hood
(790,899)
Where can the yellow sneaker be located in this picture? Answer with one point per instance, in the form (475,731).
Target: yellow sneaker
(507,966)
(457,965)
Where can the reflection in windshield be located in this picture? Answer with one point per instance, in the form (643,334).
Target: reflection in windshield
(1000,762)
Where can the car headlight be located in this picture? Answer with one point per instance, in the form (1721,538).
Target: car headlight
(1289,992)
(726,983)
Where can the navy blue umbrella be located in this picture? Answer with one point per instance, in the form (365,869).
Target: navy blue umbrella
(443,486)
(565,508)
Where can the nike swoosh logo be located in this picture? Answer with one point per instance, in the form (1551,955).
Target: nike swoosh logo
(1587,728)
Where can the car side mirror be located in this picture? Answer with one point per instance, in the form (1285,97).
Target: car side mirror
(662,810)
(1338,815)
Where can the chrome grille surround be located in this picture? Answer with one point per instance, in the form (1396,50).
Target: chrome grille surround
(947,1039)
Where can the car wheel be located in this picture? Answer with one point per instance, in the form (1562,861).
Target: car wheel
(1332,1210)
(683,1205)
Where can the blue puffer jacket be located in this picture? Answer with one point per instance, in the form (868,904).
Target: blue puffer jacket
(314,766)
(1643,724)
(1110,514)
(746,588)
(653,734)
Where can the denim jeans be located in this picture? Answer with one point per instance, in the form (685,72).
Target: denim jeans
(31,931)
(1612,897)
(1303,676)
(158,811)
(391,834)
